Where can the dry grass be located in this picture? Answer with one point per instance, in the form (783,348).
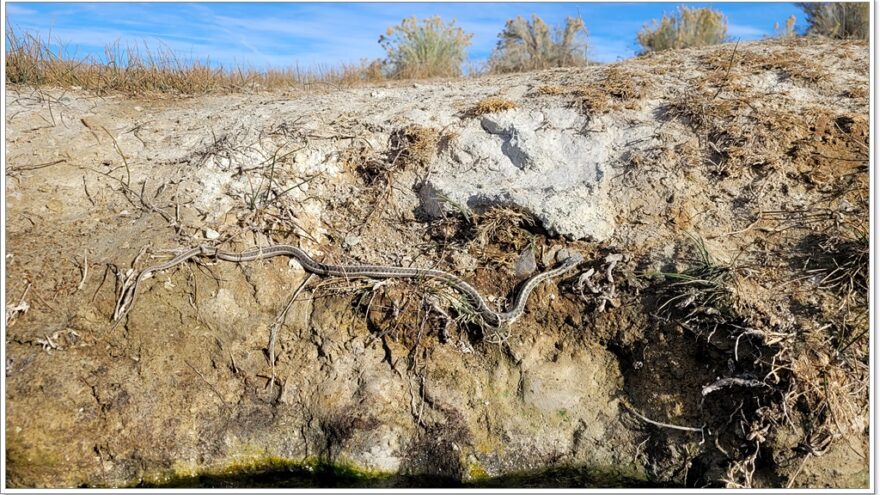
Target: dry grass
(846,251)
(739,128)
(795,66)
(409,147)
(617,89)
(744,131)
(550,90)
(502,226)
(789,63)
(414,145)
(491,104)
(139,70)
(625,86)
(856,93)
(591,99)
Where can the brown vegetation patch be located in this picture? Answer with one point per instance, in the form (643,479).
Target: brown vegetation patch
(414,145)
(787,62)
(856,93)
(591,99)
(743,130)
(491,104)
(550,90)
(618,89)
(625,86)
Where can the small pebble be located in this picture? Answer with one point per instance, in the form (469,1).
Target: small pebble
(351,240)
(430,202)
(563,254)
(525,264)
(550,255)
(212,234)
(614,257)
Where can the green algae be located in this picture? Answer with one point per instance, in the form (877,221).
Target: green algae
(274,472)
(318,473)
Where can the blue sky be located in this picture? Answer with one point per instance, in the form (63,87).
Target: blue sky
(261,35)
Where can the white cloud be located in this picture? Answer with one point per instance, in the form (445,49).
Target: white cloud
(743,31)
(12,9)
(308,34)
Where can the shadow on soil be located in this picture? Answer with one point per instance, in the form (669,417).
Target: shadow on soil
(324,475)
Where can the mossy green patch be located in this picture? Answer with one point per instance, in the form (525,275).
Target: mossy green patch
(476,472)
(317,473)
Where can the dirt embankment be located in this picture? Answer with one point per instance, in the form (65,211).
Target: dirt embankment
(716,336)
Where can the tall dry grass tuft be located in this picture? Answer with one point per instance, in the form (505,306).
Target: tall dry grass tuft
(787,31)
(685,29)
(841,20)
(424,49)
(141,69)
(525,45)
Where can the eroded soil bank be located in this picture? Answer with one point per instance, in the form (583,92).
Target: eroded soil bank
(716,336)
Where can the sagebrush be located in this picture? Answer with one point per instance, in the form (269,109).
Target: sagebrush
(533,45)
(426,48)
(685,29)
(843,20)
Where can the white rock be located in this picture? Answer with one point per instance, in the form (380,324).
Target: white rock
(211,234)
(539,161)
(295,266)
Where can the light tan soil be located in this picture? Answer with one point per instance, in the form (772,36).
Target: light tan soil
(737,178)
